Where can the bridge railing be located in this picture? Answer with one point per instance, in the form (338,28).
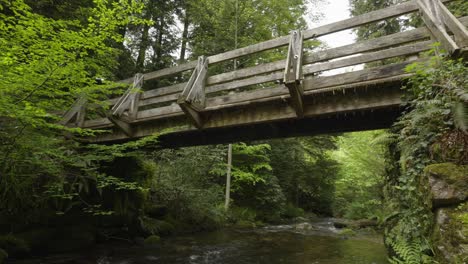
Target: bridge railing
(202,93)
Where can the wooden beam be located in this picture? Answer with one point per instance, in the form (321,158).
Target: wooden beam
(434,23)
(293,72)
(123,126)
(128,102)
(192,98)
(76,112)
(458,29)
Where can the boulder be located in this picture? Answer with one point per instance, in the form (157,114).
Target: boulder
(14,245)
(449,184)
(152,240)
(3,256)
(450,234)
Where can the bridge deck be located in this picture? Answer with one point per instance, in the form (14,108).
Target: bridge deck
(293,96)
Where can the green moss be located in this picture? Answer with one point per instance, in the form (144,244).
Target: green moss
(245,224)
(451,237)
(347,232)
(3,255)
(452,173)
(151,240)
(152,226)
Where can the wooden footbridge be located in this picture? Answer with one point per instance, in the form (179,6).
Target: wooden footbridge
(288,97)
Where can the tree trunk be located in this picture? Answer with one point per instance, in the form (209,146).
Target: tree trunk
(228,178)
(140,64)
(183,47)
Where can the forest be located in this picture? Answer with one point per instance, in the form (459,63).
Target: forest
(406,185)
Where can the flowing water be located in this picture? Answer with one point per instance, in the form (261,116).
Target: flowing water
(303,243)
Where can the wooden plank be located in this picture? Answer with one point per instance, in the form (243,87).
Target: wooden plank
(433,24)
(275,76)
(370,57)
(176,88)
(357,76)
(397,80)
(259,94)
(161,112)
(280,93)
(458,29)
(123,126)
(165,72)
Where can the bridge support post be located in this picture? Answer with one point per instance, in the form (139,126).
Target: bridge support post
(77,113)
(192,98)
(126,108)
(293,72)
(437,18)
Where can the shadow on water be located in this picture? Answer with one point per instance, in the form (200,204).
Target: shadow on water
(303,243)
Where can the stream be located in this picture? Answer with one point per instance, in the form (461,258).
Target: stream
(301,243)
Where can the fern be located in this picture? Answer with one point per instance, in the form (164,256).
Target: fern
(408,253)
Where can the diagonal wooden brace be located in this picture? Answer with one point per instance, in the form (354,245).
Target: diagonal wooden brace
(77,113)
(126,108)
(128,102)
(192,98)
(293,72)
(437,19)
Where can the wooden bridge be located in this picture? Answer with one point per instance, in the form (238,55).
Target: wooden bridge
(288,97)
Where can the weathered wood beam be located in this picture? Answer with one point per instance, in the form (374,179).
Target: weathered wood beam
(125,109)
(128,102)
(77,112)
(458,29)
(192,98)
(293,72)
(433,20)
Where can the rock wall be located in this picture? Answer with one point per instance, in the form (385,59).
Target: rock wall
(449,189)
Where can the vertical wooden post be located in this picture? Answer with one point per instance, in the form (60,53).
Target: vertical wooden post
(293,72)
(192,98)
(228,178)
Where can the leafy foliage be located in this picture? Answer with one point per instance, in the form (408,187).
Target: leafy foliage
(359,187)
(426,124)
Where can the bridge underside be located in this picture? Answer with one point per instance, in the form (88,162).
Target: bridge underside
(351,109)
(363,120)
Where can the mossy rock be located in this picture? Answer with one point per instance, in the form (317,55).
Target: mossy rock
(3,255)
(152,240)
(347,232)
(245,224)
(449,183)
(151,226)
(450,234)
(14,245)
